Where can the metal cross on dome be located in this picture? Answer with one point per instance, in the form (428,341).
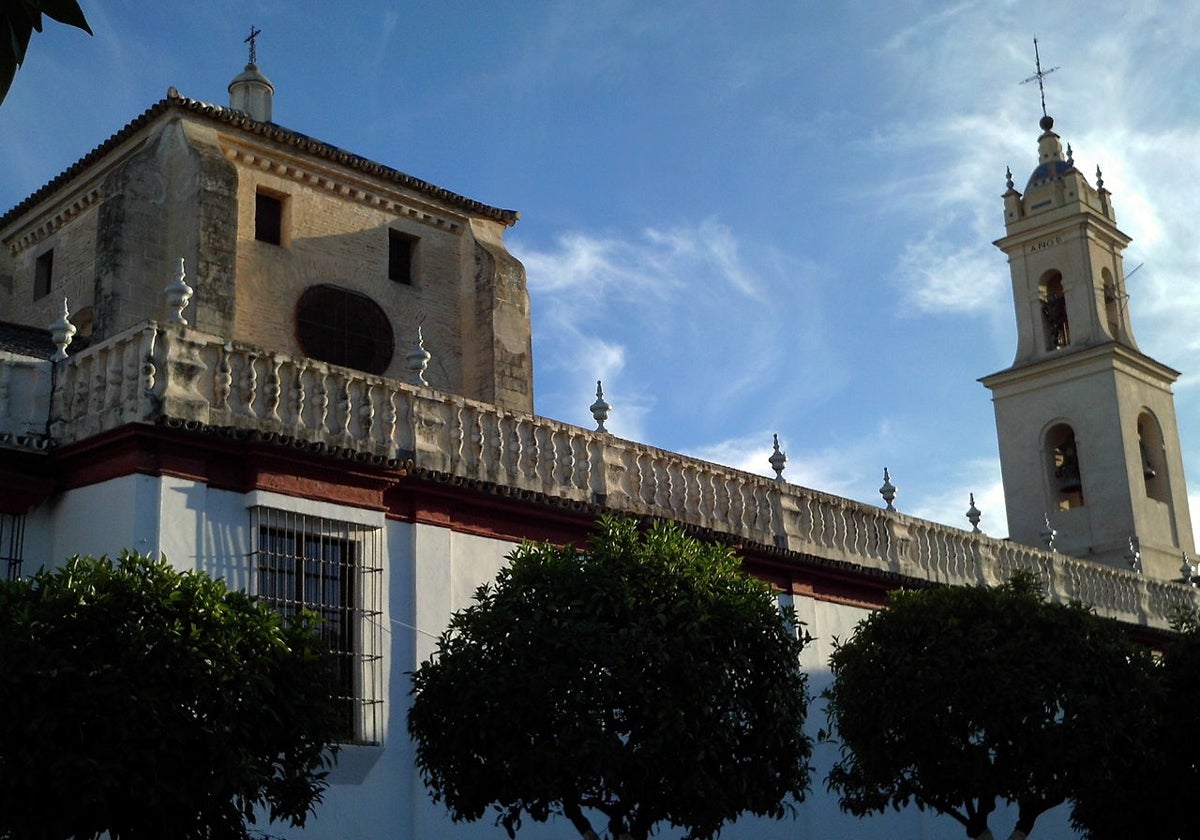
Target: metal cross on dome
(254,33)
(1040,75)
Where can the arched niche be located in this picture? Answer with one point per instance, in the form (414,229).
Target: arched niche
(1064,473)
(1112,303)
(1153,457)
(1056,329)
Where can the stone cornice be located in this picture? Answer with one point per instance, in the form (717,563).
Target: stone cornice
(301,170)
(301,143)
(1083,362)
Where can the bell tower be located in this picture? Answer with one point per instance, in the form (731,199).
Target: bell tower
(1085,421)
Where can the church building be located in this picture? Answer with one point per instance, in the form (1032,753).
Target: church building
(310,374)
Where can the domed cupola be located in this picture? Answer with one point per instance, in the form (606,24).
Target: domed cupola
(250,91)
(1051,164)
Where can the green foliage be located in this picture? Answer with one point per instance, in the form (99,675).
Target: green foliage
(19,19)
(646,678)
(958,698)
(1151,798)
(150,703)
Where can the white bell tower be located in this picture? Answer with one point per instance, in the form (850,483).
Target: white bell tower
(1086,422)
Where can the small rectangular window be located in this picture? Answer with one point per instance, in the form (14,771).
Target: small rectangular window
(268,218)
(43,273)
(400,256)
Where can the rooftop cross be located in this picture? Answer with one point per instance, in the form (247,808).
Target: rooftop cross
(1040,75)
(254,33)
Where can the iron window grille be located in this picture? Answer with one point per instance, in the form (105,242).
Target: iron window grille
(12,542)
(333,569)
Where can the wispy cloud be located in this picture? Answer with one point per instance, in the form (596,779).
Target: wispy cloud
(670,312)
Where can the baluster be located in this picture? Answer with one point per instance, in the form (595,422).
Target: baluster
(271,389)
(223,379)
(129,383)
(321,399)
(249,384)
(149,371)
(564,448)
(390,418)
(514,453)
(115,368)
(662,485)
(345,407)
(99,377)
(297,395)
(532,453)
(366,412)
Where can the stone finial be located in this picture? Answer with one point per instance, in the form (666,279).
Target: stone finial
(1188,570)
(178,294)
(973,516)
(1099,179)
(1070,156)
(888,490)
(62,331)
(1049,535)
(600,409)
(1008,178)
(417,360)
(778,459)
(1133,557)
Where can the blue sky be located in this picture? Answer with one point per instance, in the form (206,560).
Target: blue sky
(745,217)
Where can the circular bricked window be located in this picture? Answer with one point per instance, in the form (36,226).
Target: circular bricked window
(344,328)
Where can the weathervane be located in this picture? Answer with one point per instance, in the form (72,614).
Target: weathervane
(1040,75)
(254,33)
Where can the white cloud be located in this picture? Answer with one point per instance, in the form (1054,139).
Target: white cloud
(949,505)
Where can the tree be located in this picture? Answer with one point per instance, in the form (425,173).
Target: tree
(18,21)
(149,703)
(1152,798)
(959,698)
(646,679)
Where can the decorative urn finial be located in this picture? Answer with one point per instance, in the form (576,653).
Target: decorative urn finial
(178,294)
(62,331)
(778,459)
(888,490)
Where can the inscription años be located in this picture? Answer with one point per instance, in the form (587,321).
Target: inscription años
(1044,244)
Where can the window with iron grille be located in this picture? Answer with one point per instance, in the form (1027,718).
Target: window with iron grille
(12,542)
(333,569)
(344,327)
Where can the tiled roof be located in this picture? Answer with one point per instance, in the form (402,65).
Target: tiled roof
(26,341)
(270,131)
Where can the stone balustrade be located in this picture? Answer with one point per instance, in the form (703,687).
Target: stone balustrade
(24,401)
(169,373)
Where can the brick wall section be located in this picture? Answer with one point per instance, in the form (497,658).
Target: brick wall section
(74,246)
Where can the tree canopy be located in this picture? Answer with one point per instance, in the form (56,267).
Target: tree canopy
(956,699)
(19,19)
(150,703)
(645,679)
(1152,796)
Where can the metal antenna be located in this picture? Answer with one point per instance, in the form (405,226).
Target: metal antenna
(1040,75)
(254,33)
